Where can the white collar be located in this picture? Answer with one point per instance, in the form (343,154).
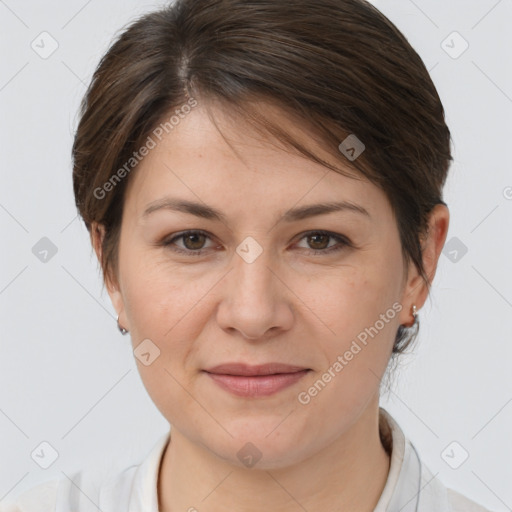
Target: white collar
(410,486)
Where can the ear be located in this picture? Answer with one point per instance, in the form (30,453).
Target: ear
(416,291)
(113,288)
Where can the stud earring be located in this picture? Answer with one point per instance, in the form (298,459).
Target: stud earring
(414,314)
(121,329)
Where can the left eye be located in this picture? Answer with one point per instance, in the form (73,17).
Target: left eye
(193,242)
(320,238)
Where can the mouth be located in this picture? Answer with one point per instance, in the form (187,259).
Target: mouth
(250,381)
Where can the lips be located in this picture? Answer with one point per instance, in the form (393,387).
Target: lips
(260,381)
(246,370)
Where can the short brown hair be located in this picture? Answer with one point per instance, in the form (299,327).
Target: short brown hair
(339,65)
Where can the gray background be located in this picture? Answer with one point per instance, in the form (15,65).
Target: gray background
(69,378)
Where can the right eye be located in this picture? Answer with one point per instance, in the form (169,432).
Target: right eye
(193,242)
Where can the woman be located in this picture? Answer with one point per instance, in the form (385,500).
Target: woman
(262,182)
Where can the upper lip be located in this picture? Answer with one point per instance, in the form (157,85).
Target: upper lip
(251,370)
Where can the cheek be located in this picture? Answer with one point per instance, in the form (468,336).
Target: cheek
(350,299)
(170,307)
(165,307)
(360,307)
(355,357)
(160,296)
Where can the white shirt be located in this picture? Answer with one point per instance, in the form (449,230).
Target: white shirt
(410,486)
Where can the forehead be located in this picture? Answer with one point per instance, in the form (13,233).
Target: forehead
(227,162)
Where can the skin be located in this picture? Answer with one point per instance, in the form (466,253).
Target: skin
(286,306)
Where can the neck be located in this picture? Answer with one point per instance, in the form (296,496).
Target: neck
(348,474)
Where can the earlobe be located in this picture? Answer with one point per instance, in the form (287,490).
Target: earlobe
(414,297)
(432,245)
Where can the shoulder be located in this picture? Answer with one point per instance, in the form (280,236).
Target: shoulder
(107,487)
(81,491)
(440,497)
(409,477)
(40,498)
(461,503)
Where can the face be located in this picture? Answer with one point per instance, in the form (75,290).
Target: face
(322,293)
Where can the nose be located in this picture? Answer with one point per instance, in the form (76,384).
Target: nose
(255,300)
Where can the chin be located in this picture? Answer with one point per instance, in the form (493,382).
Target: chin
(256,445)
(258,456)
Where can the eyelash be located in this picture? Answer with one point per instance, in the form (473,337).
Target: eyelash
(342,243)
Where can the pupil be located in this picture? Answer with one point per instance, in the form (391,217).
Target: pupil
(319,236)
(191,236)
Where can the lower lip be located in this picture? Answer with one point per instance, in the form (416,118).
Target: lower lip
(256,386)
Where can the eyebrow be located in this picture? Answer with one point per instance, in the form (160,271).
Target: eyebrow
(210,213)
